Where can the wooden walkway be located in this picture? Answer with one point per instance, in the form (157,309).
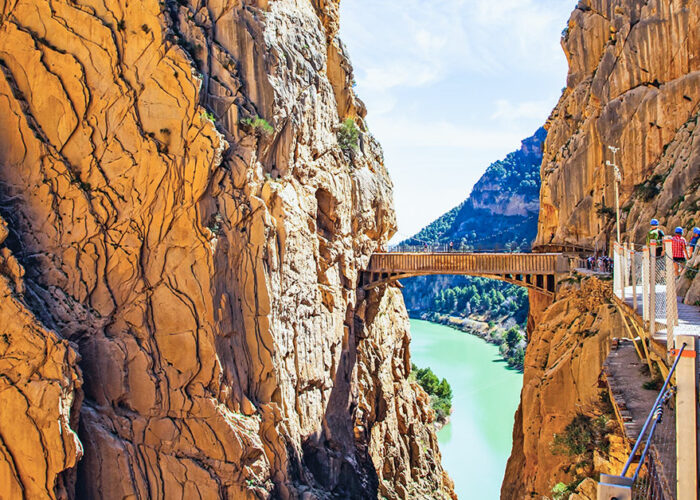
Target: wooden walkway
(538,271)
(688,316)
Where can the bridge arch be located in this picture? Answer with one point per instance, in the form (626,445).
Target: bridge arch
(539,271)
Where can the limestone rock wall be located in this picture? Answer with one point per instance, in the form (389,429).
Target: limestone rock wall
(203,261)
(633,83)
(564,358)
(40,393)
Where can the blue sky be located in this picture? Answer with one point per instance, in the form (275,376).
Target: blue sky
(451,86)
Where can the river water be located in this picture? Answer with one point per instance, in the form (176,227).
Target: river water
(475,445)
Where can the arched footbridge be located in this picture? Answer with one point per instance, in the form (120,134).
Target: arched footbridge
(537,271)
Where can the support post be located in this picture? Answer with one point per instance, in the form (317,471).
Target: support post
(614,488)
(686,420)
(634,279)
(626,280)
(617,270)
(652,289)
(645,283)
(670,291)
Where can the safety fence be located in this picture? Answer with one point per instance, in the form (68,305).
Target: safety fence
(646,280)
(663,462)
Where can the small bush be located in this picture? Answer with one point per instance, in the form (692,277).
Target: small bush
(439,391)
(654,384)
(258,124)
(582,436)
(560,491)
(208,115)
(605,212)
(121,25)
(646,191)
(145,28)
(348,135)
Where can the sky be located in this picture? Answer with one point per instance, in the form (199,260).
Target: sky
(450,87)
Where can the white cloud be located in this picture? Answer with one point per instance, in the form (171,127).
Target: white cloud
(456,83)
(410,134)
(506,110)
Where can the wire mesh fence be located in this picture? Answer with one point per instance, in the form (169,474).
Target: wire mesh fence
(656,478)
(659,286)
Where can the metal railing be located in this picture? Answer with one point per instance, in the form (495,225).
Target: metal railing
(648,482)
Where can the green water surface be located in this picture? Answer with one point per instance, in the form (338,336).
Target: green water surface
(475,445)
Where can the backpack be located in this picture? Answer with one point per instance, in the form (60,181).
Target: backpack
(656,235)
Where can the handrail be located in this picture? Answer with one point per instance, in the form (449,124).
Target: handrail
(652,412)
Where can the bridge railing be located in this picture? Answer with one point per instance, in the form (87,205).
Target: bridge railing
(468,263)
(437,248)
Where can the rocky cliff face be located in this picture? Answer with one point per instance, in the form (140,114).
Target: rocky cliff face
(569,341)
(634,83)
(186,232)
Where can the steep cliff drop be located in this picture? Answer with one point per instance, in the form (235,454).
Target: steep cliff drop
(634,83)
(187,232)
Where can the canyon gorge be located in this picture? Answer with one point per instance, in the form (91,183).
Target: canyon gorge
(189,192)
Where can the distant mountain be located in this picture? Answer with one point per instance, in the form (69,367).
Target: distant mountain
(501,211)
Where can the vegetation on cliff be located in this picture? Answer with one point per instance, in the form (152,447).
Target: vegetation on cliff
(439,391)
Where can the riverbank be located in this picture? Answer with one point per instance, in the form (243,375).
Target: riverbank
(492,331)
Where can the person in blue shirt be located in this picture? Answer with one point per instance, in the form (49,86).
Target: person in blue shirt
(694,240)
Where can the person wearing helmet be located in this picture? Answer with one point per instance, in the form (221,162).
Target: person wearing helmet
(679,247)
(694,240)
(656,235)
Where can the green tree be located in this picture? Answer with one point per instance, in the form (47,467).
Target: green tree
(513,337)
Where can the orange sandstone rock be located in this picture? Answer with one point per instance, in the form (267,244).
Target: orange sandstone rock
(185,215)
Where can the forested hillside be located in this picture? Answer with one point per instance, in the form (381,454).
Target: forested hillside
(500,214)
(501,211)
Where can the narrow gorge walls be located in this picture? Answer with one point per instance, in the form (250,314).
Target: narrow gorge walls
(184,236)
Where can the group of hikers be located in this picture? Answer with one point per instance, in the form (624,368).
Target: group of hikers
(682,249)
(599,263)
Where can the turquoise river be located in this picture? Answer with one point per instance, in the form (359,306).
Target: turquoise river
(475,445)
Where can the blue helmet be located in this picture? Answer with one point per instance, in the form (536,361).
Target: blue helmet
(654,222)
(697,231)
(679,230)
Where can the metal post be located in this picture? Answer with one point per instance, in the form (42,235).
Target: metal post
(670,291)
(645,284)
(634,280)
(652,288)
(618,179)
(617,271)
(614,488)
(686,420)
